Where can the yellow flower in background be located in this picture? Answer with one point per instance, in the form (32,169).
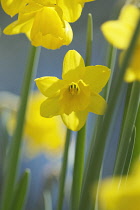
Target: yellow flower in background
(76,94)
(12,7)
(119,32)
(133,70)
(114,195)
(71,9)
(42,135)
(43,25)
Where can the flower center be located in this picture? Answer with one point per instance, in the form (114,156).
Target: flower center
(74,89)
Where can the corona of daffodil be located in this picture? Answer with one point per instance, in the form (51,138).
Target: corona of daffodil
(76,94)
(71,9)
(12,7)
(119,34)
(124,195)
(43,24)
(42,135)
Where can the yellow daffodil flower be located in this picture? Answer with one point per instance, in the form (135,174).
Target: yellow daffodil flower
(133,70)
(76,94)
(119,32)
(12,7)
(43,25)
(42,135)
(124,195)
(71,9)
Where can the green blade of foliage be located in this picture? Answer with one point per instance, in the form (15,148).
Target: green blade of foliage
(47,200)
(63,172)
(21,192)
(136,153)
(128,161)
(81,135)
(13,157)
(127,128)
(95,160)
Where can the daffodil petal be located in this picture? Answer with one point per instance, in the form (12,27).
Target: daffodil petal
(97,104)
(12,7)
(71,9)
(50,107)
(96,77)
(49,86)
(117,34)
(19,27)
(76,120)
(73,66)
(126,17)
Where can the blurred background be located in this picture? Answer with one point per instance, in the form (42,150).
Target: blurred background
(13,57)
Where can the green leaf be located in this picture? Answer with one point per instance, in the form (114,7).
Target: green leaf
(21,191)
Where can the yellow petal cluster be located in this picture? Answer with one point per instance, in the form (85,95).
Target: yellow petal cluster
(76,94)
(43,25)
(124,195)
(12,7)
(119,33)
(71,9)
(45,22)
(42,135)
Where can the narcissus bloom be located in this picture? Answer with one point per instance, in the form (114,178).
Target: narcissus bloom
(43,25)
(124,195)
(42,135)
(133,70)
(119,32)
(12,7)
(76,94)
(71,9)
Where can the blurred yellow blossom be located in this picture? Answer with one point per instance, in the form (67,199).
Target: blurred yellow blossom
(71,9)
(133,70)
(43,24)
(12,7)
(76,94)
(119,32)
(41,134)
(124,195)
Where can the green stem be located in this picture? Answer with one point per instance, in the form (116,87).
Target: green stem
(80,141)
(127,128)
(63,172)
(14,152)
(136,153)
(78,168)
(95,161)
(89,40)
(130,152)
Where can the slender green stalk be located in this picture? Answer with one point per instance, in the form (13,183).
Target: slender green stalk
(80,141)
(13,157)
(78,168)
(136,153)
(95,161)
(127,128)
(89,40)
(21,192)
(63,172)
(129,156)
